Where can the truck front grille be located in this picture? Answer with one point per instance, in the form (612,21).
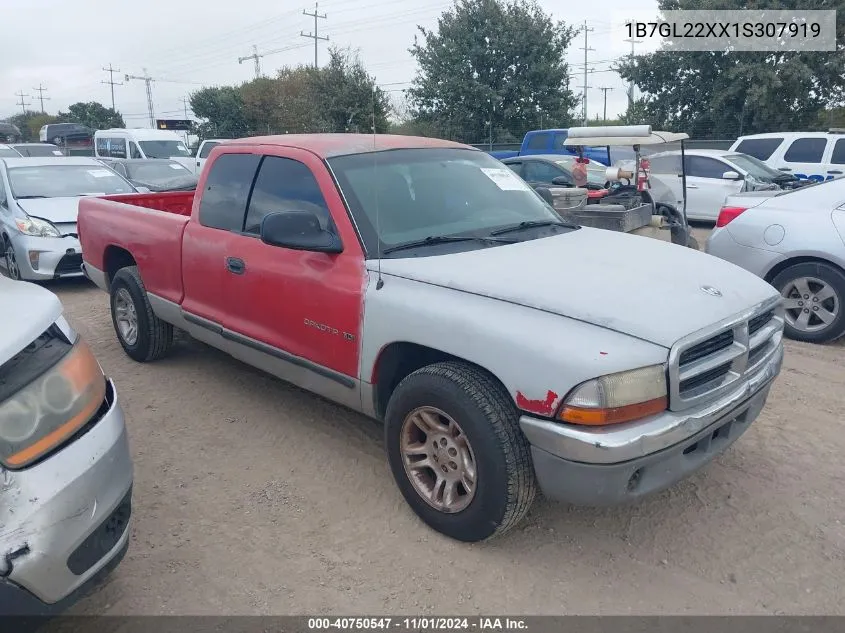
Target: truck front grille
(704,365)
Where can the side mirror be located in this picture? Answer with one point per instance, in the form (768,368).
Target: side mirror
(561,181)
(731,175)
(144,189)
(546,195)
(298,230)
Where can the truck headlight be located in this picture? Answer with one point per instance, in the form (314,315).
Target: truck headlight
(51,408)
(37,227)
(615,398)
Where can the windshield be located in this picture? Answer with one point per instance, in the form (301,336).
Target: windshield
(596,172)
(150,171)
(163,149)
(39,151)
(58,181)
(757,168)
(405,195)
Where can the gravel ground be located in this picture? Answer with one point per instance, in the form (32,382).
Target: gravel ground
(253,497)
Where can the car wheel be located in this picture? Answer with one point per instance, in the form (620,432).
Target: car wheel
(143,336)
(457,453)
(11,260)
(813,294)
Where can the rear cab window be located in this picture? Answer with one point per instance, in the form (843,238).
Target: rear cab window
(224,199)
(759,148)
(538,141)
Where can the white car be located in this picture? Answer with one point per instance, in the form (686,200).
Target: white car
(815,156)
(795,240)
(203,151)
(65,465)
(7,151)
(712,174)
(39,202)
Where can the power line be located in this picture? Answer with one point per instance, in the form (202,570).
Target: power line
(254,56)
(315,36)
(21,103)
(41,97)
(633,43)
(148,81)
(604,90)
(112,83)
(586,48)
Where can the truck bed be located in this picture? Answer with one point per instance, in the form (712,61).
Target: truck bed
(149,226)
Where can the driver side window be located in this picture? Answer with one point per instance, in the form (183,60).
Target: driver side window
(134,152)
(3,200)
(284,185)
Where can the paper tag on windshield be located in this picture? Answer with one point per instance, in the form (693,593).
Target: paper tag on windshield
(505,179)
(176,167)
(57,153)
(100,173)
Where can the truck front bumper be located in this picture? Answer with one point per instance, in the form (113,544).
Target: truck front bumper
(615,465)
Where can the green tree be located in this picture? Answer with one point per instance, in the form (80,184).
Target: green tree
(349,100)
(21,121)
(719,94)
(92,114)
(37,122)
(493,64)
(222,111)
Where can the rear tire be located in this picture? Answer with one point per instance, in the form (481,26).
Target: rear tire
(143,336)
(472,442)
(814,293)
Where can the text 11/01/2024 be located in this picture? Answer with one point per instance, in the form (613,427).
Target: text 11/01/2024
(422,623)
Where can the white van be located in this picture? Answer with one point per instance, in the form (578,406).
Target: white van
(141,143)
(817,156)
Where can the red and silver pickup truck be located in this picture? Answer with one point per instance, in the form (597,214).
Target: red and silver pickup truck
(424,284)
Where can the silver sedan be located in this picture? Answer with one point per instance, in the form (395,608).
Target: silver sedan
(795,240)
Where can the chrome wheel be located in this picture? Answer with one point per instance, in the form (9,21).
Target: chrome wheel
(12,268)
(126,316)
(438,459)
(811,304)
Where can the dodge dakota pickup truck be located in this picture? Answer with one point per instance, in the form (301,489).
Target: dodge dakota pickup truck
(423,283)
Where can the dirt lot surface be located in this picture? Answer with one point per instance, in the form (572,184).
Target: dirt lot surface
(253,497)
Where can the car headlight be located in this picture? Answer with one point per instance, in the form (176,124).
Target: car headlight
(37,227)
(51,408)
(615,398)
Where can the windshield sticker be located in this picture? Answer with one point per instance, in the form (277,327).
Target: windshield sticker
(57,153)
(100,173)
(505,179)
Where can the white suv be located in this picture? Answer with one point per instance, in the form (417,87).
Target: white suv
(817,156)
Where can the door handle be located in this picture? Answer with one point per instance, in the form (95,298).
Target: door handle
(785,168)
(235,265)
(834,172)
(692,186)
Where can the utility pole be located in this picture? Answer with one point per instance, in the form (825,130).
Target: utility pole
(254,56)
(633,43)
(315,36)
(41,97)
(604,90)
(586,48)
(185,103)
(148,81)
(21,103)
(112,83)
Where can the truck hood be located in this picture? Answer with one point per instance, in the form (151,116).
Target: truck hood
(35,309)
(639,286)
(56,210)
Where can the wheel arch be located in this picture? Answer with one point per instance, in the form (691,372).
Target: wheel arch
(778,268)
(399,359)
(115,258)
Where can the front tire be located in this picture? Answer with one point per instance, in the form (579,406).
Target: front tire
(457,453)
(814,296)
(13,270)
(143,336)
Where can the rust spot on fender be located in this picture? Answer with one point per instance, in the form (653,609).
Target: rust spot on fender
(540,407)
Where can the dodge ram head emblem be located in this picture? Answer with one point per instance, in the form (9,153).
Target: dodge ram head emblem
(713,292)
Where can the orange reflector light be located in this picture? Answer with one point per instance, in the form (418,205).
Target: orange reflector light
(617,415)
